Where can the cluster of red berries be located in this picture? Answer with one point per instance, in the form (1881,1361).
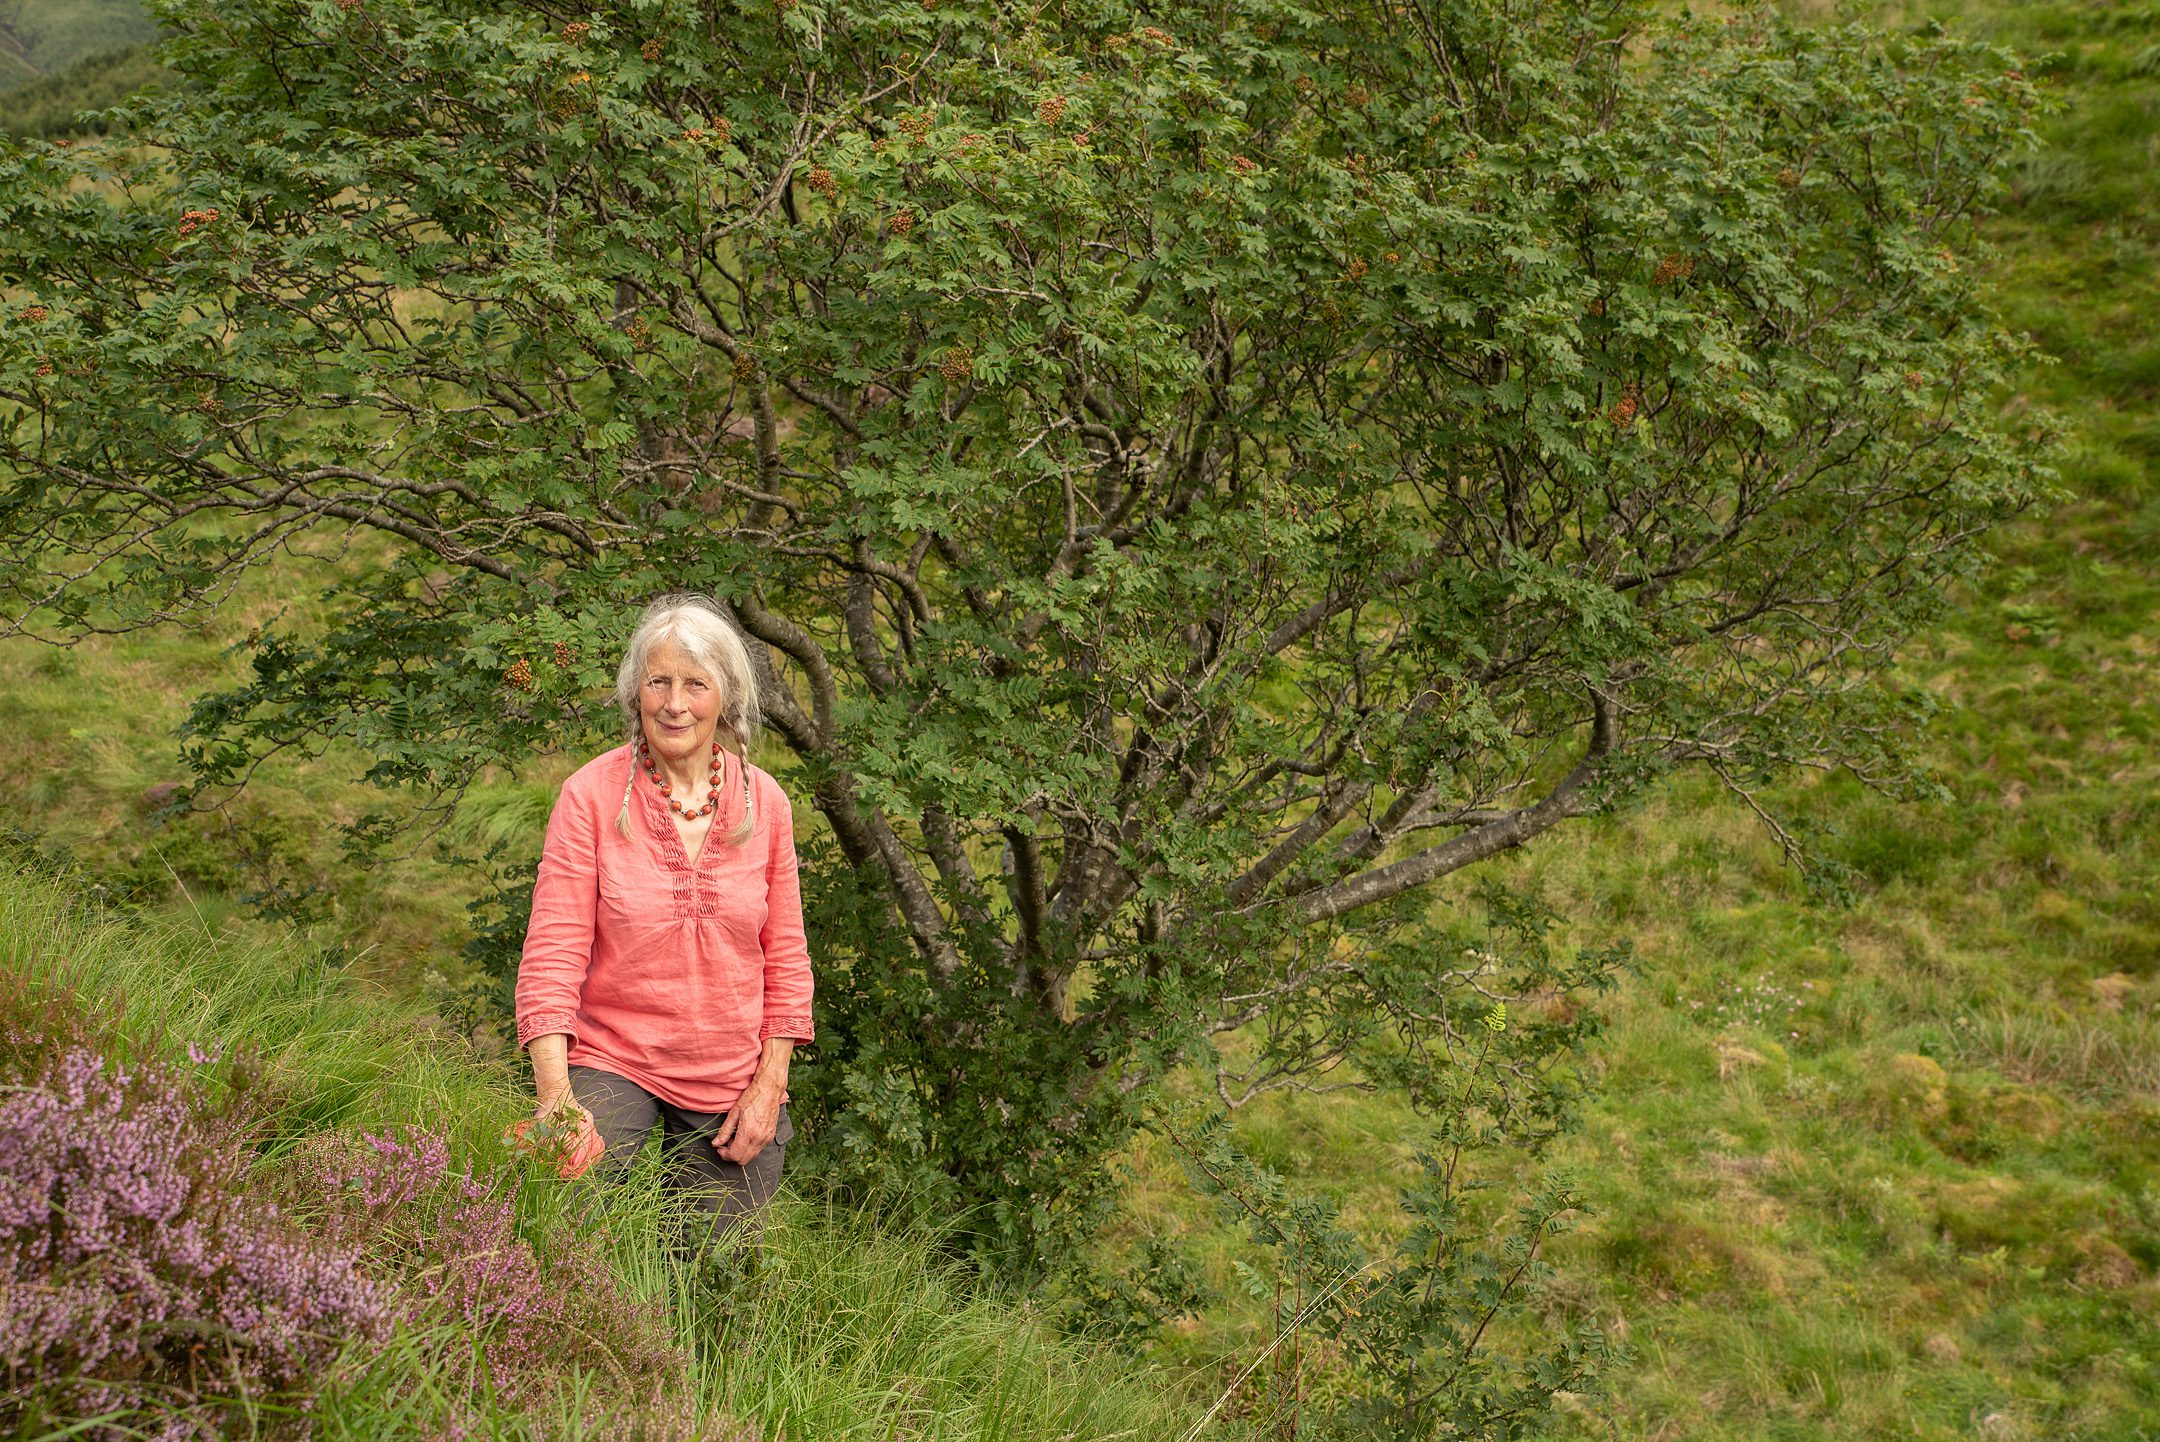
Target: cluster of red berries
(718,135)
(1158,37)
(33,313)
(564,655)
(520,674)
(1914,380)
(1355,270)
(44,368)
(959,364)
(902,222)
(915,126)
(575,32)
(745,365)
(1672,268)
(1244,165)
(192,220)
(1359,96)
(821,180)
(1623,410)
(208,403)
(1052,110)
(640,333)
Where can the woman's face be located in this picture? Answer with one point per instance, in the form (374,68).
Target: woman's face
(679,704)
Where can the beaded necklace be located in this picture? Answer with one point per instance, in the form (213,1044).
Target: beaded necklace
(712,794)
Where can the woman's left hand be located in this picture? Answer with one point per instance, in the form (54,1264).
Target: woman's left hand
(745,1131)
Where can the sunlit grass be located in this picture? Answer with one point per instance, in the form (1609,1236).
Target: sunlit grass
(832,1329)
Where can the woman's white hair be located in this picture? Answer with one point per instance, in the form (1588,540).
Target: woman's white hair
(697,625)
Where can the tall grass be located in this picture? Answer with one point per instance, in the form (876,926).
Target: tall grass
(827,1328)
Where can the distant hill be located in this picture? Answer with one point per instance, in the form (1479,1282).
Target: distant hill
(59,58)
(41,39)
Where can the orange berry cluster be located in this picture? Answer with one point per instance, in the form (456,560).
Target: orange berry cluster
(192,220)
(1356,269)
(745,365)
(651,49)
(1673,267)
(959,364)
(821,180)
(915,126)
(33,313)
(520,674)
(902,222)
(1623,409)
(575,32)
(563,654)
(1052,110)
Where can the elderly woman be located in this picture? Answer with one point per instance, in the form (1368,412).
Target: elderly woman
(665,975)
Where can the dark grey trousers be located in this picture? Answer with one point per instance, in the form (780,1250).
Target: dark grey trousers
(727,1192)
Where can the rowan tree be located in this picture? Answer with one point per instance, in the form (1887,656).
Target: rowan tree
(1198,475)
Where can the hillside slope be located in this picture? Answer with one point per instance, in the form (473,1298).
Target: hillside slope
(42,38)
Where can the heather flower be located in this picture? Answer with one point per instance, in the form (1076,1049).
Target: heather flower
(448,1238)
(133,1262)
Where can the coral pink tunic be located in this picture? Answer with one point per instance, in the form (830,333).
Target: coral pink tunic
(665,971)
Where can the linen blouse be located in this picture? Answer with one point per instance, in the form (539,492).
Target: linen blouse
(668,972)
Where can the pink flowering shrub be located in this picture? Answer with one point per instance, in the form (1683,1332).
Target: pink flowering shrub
(135,1275)
(448,1240)
(153,1268)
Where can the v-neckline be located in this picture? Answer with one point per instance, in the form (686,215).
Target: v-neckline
(664,817)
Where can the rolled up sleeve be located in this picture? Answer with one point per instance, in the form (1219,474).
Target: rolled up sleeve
(787,948)
(559,938)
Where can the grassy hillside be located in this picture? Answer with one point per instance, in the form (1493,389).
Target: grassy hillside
(838,1332)
(1879,1171)
(1889,1171)
(45,37)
